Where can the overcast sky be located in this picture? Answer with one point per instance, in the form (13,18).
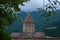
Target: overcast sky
(33,5)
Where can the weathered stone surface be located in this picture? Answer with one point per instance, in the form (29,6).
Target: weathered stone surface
(28,24)
(29,35)
(28,18)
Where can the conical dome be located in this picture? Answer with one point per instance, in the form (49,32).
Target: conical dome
(28,18)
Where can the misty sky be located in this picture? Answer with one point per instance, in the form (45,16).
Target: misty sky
(33,5)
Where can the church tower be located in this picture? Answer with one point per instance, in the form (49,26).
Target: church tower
(28,24)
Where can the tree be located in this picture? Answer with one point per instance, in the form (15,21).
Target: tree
(47,13)
(8,9)
(51,10)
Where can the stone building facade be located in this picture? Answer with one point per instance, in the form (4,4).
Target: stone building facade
(28,30)
(28,24)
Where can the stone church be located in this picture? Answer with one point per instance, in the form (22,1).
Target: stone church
(28,29)
(28,24)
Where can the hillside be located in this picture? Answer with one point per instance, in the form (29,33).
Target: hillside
(40,23)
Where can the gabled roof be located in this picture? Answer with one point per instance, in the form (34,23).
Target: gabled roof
(28,18)
(29,35)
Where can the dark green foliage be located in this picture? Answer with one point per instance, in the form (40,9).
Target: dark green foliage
(8,9)
(12,3)
(5,36)
(51,11)
(51,8)
(52,32)
(51,14)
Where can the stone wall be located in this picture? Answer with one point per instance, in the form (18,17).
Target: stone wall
(35,38)
(31,36)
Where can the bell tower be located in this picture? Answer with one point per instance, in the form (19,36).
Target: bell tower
(28,24)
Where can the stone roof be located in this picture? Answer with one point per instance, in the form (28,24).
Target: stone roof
(28,18)
(29,35)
